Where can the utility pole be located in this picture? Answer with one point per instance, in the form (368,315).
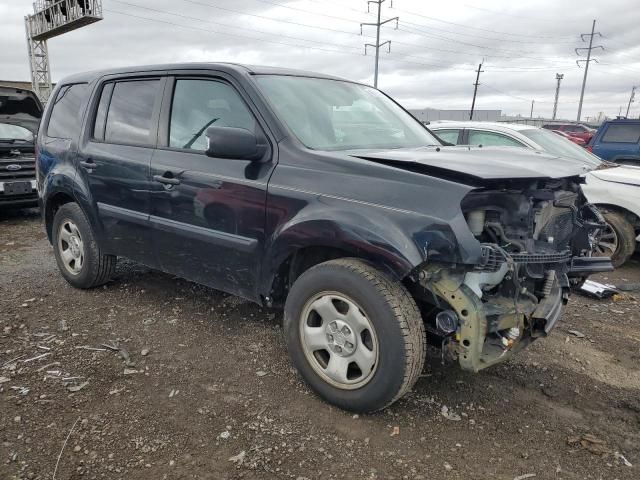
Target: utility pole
(587,61)
(475,89)
(633,95)
(559,77)
(531,114)
(377,45)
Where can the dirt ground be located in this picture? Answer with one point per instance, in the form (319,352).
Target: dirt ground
(203,388)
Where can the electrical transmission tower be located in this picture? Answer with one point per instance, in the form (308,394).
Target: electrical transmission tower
(631,99)
(587,61)
(51,18)
(475,89)
(559,77)
(377,45)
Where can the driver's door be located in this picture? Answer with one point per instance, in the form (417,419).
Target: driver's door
(208,213)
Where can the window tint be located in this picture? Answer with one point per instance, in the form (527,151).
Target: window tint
(199,104)
(66,114)
(129,119)
(449,136)
(101,114)
(622,133)
(490,139)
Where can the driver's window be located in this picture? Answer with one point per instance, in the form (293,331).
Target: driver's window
(200,104)
(491,139)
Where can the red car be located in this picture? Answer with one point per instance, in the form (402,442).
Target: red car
(572,129)
(576,140)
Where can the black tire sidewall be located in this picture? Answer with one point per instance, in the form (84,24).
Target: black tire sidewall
(387,380)
(88,273)
(626,237)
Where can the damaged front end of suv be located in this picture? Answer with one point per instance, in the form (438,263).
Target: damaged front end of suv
(536,238)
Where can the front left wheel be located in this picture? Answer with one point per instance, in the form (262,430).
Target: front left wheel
(78,255)
(355,335)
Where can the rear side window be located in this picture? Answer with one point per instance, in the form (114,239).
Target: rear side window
(66,115)
(491,139)
(130,115)
(622,133)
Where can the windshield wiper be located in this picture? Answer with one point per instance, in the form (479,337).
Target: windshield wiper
(199,132)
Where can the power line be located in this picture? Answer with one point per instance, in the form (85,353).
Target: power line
(587,61)
(435,19)
(377,45)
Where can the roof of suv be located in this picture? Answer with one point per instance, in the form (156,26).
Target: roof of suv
(222,66)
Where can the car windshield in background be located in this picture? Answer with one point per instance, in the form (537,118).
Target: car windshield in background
(557,145)
(334,115)
(10,132)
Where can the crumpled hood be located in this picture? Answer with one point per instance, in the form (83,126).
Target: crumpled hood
(20,107)
(620,174)
(482,163)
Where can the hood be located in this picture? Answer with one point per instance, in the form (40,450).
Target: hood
(620,174)
(20,107)
(478,163)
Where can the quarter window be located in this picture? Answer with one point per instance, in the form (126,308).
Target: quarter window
(130,116)
(491,139)
(622,133)
(101,114)
(67,114)
(199,104)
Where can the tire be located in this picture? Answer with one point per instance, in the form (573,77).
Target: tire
(619,240)
(76,249)
(395,336)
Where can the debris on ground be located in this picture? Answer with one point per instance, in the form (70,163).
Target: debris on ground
(576,333)
(589,442)
(395,431)
(624,461)
(523,477)
(449,415)
(597,290)
(239,458)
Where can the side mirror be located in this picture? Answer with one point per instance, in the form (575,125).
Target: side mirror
(233,142)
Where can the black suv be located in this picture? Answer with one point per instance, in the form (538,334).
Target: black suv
(320,195)
(20,112)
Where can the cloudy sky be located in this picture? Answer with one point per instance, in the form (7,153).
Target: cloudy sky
(433,55)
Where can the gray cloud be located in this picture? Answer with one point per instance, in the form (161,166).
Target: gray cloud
(430,65)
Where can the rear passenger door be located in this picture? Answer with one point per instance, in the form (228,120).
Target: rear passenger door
(115,158)
(209,213)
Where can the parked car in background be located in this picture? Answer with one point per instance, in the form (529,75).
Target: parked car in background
(576,140)
(574,129)
(20,112)
(616,191)
(322,196)
(618,141)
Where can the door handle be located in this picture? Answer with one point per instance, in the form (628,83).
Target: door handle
(89,164)
(166,180)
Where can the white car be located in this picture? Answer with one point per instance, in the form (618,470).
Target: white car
(616,191)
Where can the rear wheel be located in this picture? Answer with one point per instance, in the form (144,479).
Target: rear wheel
(77,252)
(355,336)
(618,240)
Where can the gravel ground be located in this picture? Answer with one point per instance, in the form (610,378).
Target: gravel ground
(194,383)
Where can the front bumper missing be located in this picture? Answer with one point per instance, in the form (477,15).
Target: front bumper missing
(475,342)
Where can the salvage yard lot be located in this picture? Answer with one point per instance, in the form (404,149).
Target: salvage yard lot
(202,388)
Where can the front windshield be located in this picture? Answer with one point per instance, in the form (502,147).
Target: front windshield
(14,132)
(335,115)
(557,145)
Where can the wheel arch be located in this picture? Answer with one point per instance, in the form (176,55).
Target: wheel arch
(632,217)
(391,247)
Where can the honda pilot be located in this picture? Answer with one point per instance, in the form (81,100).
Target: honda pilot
(321,196)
